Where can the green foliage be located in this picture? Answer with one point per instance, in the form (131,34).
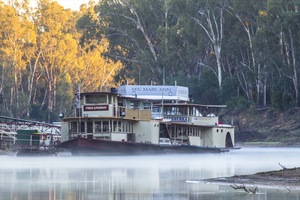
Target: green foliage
(37,113)
(206,89)
(229,89)
(238,103)
(45,53)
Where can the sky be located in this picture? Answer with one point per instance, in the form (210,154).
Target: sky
(72,4)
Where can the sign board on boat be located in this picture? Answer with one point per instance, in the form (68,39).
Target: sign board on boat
(155,92)
(95,108)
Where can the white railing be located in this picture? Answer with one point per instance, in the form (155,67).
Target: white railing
(7,135)
(43,129)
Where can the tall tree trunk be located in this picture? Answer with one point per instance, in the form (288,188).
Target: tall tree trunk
(31,79)
(294,62)
(214,31)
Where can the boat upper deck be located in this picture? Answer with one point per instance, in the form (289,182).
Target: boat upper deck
(137,107)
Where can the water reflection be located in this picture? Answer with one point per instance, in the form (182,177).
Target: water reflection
(140,177)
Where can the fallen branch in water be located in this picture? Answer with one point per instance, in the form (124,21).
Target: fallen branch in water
(242,187)
(283,167)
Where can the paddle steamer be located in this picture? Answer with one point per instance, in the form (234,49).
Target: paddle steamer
(144,119)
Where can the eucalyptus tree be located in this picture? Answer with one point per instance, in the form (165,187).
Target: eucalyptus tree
(17,37)
(138,34)
(209,15)
(285,19)
(250,72)
(7,15)
(57,47)
(96,71)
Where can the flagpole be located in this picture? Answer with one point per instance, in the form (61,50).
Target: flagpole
(77,109)
(79,121)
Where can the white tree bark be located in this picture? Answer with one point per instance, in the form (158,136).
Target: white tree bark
(213,27)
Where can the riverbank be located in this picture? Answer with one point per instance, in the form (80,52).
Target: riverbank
(268,127)
(288,179)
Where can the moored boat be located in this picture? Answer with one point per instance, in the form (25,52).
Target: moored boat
(28,138)
(144,119)
(34,143)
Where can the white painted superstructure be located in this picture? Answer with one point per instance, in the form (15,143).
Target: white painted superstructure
(148,114)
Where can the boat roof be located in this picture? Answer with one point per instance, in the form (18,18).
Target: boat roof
(97,93)
(99,117)
(191,105)
(196,125)
(186,124)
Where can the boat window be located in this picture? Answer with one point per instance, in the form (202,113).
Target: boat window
(169,111)
(111,100)
(135,105)
(179,131)
(119,126)
(73,127)
(173,131)
(105,126)
(182,111)
(114,125)
(191,131)
(147,105)
(128,127)
(155,109)
(124,127)
(185,130)
(196,112)
(97,126)
(211,115)
(82,127)
(95,99)
(89,127)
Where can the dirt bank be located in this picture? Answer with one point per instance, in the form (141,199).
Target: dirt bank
(268,125)
(285,178)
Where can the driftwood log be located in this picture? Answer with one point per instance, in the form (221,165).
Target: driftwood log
(243,187)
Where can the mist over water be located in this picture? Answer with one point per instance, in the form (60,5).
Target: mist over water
(140,177)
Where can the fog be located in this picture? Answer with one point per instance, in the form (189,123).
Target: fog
(139,177)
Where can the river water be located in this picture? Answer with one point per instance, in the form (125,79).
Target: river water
(141,177)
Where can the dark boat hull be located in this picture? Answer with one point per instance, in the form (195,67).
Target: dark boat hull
(35,152)
(190,149)
(93,147)
(83,146)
